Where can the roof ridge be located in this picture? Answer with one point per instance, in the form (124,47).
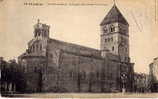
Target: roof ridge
(74,44)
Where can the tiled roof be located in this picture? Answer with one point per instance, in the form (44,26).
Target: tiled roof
(76,49)
(114,15)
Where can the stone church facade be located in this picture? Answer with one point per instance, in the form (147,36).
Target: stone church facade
(51,65)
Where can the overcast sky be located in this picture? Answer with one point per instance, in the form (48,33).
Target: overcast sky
(79,25)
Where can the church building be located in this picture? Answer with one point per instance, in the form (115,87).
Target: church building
(52,65)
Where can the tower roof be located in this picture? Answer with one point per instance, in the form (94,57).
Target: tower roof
(114,15)
(40,25)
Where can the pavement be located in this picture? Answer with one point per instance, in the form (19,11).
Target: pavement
(85,95)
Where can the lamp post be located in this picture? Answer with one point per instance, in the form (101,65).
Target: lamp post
(123,79)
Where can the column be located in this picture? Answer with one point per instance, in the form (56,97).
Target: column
(5,86)
(10,86)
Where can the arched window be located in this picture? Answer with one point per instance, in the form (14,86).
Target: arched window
(36,32)
(105,40)
(36,47)
(112,28)
(45,34)
(35,69)
(51,55)
(113,48)
(40,47)
(71,74)
(108,39)
(84,75)
(97,74)
(32,48)
(126,49)
(112,39)
(39,34)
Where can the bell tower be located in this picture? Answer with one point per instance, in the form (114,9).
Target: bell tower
(39,42)
(114,35)
(41,30)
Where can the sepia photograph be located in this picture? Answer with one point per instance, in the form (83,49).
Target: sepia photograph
(79,49)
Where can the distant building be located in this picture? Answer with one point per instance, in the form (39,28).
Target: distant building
(8,75)
(56,66)
(141,82)
(153,67)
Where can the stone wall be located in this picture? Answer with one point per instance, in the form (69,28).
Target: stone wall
(32,82)
(82,72)
(69,71)
(33,63)
(74,73)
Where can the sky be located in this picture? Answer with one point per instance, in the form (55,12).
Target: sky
(79,24)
